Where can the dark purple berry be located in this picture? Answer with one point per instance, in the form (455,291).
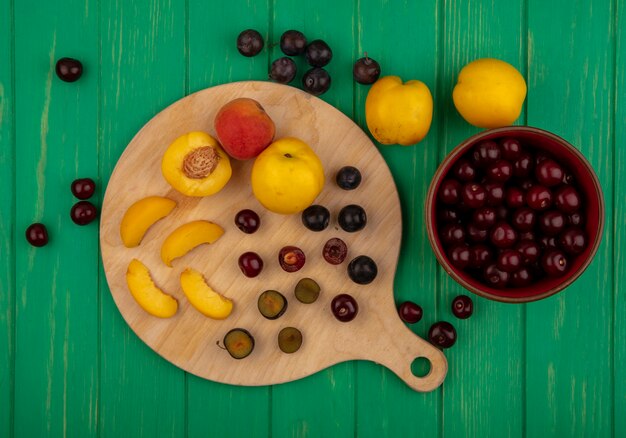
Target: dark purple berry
(292,43)
(250,42)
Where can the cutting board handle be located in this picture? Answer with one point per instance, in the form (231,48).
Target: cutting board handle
(396,347)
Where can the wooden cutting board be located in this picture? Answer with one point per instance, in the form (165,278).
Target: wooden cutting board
(189,339)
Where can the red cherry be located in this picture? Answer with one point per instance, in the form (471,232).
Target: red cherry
(410,312)
(495,277)
(495,194)
(552,222)
(539,198)
(523,165)
(567,199)
(500,171)
(83,188)
(83,213)
(529,251)
(514,197)
(484,217)
(511,148)
(521,278)
(474,195)
(450,192)
(452,234)
(503,235)
(485,153)
(464,171)
(460,256)
(509,260)
(37,234)
(573,240)
(462,307)
(554,263)
(524,219)
(549,173)
(481,255)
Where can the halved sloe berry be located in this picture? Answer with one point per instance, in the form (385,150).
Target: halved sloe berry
(307,290)
(239,343)
(272,304)
(289,340)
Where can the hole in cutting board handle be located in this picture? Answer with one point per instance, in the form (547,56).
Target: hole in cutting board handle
(421,367)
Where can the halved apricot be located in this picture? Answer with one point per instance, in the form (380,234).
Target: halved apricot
(196,165)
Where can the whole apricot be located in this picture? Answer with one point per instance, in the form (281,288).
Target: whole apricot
(287,176)
(244,128)
(397,112)
(489,93)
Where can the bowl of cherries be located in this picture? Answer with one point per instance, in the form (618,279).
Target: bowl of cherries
(515,214)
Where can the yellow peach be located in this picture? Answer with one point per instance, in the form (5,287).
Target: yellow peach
(187,237)
(203,297)
(152,299)
(196,165)
(141,216)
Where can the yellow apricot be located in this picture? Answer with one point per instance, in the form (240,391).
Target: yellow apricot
(187,237)
(196,165)
(141,216)
(489,93)
(203,297)
(398,112)
(152,299)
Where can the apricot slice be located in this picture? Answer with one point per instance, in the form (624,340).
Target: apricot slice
(152,299)
(196,165)
(203,297)
(187,237)
(141,216)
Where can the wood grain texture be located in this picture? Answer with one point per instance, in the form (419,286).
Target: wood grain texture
(619,212)
(411,52)
(567,393)
(142,70)
(7,220)
(189,339)
(335,385)
(213,60)
(56,321)
(489,351)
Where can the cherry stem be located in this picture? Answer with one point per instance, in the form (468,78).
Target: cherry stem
(365,54)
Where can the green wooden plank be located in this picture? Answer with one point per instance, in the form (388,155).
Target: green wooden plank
(7,219)
(619,195)
(56,373)
(143,70)
(569,348)
(214,59)
(486,365)
(405,43)
(321,404)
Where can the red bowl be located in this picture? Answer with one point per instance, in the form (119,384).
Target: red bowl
(593,211)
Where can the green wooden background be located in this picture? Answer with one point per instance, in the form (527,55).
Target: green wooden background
(69,365)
